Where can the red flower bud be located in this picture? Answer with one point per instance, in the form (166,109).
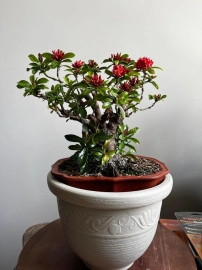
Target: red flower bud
(157,97)
(133,81)
(144,63)
(96,80)
(77,64)
(58,55)
(125,87)
(116,57)
(119,70)
(92,63)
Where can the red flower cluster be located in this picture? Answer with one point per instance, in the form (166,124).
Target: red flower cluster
(119,70)
(119,57)
(116,57)
(77,64)
(58,55)
(92,63)
(144,63)
(96,80)
(125,87)
(133,81)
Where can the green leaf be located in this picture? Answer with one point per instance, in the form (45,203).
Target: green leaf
(107,60)
(75,147)
(108,72)
(151,71)
(164,96)
(121,145)
(86,92)
(122,137)
(31,78)
(133,131)
(69,55)
(151,97)
(122,127)
(83,112)
(33,58)
(73,138)
(96,153)
(54,64)
(82,158)
(83,169)
(23,83)
(131,147)
(47,55)
(124,55)
(122,112)
(155,84)
(158,68)
(111,153)
(106,144)
(101,137)
(66,60)
(42,80)
(80,85)
(106,105)
(133,157)
(134,140)
(105,158)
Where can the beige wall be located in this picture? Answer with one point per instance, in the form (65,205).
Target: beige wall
(169,32)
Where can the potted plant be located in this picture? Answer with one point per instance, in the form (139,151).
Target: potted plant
(109,199)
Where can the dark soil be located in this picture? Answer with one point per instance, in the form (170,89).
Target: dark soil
(117,166)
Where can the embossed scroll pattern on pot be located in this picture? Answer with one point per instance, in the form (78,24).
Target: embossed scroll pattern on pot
(128,222)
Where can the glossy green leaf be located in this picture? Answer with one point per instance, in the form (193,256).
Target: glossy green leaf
(75,147)
(105,158)
(133,131)
(106,105)
(151,71)
(82,158)
(122,127)
(131,147)
(73,138)
(47,55)
(133,157)
(122,112)
(42,80)
(69,55)
(154,84)
(23,83)
(108,72)
(31,78)
(101,137)
(134,140)
(111,153)
(82,112)
(33,58)
(158,68)
(54,64)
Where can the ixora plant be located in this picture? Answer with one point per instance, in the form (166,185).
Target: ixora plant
(107,230)
(100,98)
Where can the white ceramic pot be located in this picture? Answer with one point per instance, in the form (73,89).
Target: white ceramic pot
(109,230)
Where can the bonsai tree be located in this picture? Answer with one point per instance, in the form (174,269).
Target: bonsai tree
(99,97)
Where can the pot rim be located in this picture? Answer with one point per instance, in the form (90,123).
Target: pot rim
(103,200)
(154,176)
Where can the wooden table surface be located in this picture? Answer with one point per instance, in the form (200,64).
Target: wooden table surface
(48,250)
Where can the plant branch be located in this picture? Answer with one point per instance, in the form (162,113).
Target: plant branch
(52,78)
(144,109)
(58,75)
